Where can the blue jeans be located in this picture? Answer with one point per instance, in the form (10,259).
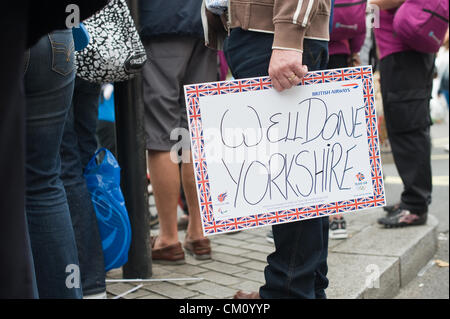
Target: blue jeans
(298,267)
(78,146)
(49,82)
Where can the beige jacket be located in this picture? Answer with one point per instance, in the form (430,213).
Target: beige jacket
(291,21)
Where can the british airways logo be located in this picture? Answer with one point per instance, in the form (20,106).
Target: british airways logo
(352,85)
(345,89)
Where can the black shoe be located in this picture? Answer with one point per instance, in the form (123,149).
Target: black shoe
(269,236)
(402,218)
(338,228)
(392,208)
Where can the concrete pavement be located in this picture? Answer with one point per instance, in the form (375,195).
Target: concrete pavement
(372,263)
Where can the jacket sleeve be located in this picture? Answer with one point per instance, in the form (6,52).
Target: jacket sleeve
(291,18)
(356,43)
(213,28)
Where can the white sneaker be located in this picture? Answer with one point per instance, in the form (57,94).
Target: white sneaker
(338,229)
(101,295)
(269,236)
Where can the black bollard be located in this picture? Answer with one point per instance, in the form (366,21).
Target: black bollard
(130,137)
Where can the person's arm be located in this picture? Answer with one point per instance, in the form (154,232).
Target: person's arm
(286,69)
(356,44)
(291,20)
(213,28)
(445,43)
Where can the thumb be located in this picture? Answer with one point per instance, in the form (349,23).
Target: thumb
(305,68)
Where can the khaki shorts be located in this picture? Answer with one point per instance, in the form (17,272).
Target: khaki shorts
(174,61)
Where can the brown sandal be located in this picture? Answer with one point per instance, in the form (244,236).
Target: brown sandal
(200,248)
(169,255)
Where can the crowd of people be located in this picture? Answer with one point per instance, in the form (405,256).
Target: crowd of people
(49,129)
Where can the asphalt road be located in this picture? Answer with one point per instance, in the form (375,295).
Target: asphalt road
(432,282)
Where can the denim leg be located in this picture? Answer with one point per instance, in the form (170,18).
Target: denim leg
(49,83)
(321,281)
(85,110)
(298,267)
(78,146)
(17,279)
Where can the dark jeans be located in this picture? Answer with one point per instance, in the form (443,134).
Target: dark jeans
(298,267)
(16,264)
(49,82)
(338,61)
(78,146)
(406,83)
(106,136)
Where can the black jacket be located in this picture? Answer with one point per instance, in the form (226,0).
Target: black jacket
(170,17)
(45,16)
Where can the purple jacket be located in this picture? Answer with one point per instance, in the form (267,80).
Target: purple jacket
(348,47)
(387,41)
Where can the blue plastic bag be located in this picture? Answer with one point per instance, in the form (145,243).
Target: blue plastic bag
(103,182)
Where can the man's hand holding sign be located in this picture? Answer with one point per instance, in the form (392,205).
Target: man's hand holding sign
(286,69)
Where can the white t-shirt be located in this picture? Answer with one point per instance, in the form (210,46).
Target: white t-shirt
(216,6)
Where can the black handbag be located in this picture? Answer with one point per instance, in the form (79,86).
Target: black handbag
(115,52)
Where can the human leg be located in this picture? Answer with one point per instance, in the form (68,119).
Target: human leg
(78,146)
(175,61)
(338,225)
(49,81)
(194,229)
(195,242)
(406,108)
(165,179)
(202,67)
(293,267)
(16,264)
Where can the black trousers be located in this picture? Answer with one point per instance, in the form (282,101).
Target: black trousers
(338,61)
(298,267)
(16,270)
(406,84)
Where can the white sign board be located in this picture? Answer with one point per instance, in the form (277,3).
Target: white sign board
(262,157)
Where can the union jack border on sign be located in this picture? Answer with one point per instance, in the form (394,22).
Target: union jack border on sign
(210,225)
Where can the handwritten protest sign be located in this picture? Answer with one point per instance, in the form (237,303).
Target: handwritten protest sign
(262,157)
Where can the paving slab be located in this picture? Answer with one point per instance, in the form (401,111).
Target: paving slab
(212,289)
(171,290)
(372,263)
(354,276)
(413,246)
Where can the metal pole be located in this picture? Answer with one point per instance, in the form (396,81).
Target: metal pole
(130,137)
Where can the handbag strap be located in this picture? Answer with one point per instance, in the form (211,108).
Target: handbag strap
(93,162)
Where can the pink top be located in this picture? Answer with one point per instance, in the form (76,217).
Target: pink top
(348,47)
(387,41)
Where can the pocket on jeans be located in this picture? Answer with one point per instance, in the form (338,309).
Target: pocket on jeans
(63,52)
(408,110)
